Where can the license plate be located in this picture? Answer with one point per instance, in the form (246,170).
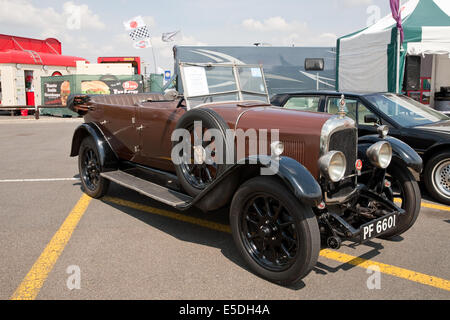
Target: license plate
(375,228)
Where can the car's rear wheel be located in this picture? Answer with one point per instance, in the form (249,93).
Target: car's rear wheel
(90,169)
(275,233)
(197,174)
(406,192)
(437,177)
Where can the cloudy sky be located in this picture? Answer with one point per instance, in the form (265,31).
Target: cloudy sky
(202,22)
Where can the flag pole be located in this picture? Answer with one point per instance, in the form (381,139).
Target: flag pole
(153,52)
(397,88)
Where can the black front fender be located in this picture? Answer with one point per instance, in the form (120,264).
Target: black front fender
(402,153)
(108,159)
(300,181)
(295,176)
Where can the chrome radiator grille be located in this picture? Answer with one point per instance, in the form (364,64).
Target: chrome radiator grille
(345,141)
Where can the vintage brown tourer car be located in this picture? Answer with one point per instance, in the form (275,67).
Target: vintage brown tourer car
(308,180)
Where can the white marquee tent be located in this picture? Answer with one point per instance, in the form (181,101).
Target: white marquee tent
(367,59)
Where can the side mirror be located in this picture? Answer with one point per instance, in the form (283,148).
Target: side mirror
(313,64)
(371,118)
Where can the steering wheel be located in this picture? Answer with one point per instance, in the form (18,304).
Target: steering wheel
(206,99)
(180,102)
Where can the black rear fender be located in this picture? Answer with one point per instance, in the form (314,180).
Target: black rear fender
(108,158)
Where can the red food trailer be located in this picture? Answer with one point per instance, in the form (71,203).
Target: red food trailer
(23,61)
(135,62)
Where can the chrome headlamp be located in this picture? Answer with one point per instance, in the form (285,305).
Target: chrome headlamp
(333,165)
(380,154)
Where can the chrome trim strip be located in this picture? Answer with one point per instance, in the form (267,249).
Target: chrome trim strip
(335,124)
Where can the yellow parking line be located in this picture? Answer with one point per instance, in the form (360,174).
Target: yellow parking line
(429,205)
(33,281)
(326,253)
(387,269)
(435,206)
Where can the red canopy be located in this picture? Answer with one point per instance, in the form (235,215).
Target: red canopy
(34,51)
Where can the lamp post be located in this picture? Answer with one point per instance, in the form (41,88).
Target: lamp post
(397,79)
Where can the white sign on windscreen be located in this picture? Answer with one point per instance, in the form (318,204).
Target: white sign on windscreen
(195,81)
(256,73)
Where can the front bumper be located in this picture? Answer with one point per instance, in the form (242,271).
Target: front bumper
(339,227)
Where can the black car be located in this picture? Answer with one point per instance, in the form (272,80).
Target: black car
(426,130)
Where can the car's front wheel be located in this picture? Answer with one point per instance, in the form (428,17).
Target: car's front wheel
(275,233)
(437,177)
(406,192)
(89,167)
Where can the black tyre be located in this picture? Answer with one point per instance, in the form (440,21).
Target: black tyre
(275,233)
(89,167)
(437,177)
(195,177)
(403,188)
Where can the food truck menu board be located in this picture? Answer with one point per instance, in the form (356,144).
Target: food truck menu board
(111,87)
(56,90)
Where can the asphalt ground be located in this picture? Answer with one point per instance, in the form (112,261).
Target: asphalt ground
(127,246)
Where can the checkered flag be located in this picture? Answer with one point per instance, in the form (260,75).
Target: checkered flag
(140,33)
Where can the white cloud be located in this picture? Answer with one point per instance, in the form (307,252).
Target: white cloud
(50,22)
(164,50)
(277,31)
(120,44)
(273,24)
(89,20)
(305,39)
(149,21)
(353,3)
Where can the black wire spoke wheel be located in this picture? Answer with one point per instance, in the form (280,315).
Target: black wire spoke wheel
(405,192)
(208,146)
(90,169)
(201,170)
(269,233)
(276,234)
(395,191)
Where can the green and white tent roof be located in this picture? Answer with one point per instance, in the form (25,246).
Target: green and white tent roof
(367,59)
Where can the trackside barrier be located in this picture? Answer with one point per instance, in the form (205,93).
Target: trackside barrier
(36,109)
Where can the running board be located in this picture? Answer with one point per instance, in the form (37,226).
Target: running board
(149,189)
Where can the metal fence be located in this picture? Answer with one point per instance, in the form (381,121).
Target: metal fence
(36,109)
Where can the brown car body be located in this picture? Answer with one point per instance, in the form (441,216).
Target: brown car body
(140,132)
(276,221)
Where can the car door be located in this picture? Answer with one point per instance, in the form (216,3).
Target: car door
(366,126)
(156,122)
(365,117)
(119,122)
(303,103)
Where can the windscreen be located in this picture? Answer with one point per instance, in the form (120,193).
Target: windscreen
(406,111)
(218,83)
